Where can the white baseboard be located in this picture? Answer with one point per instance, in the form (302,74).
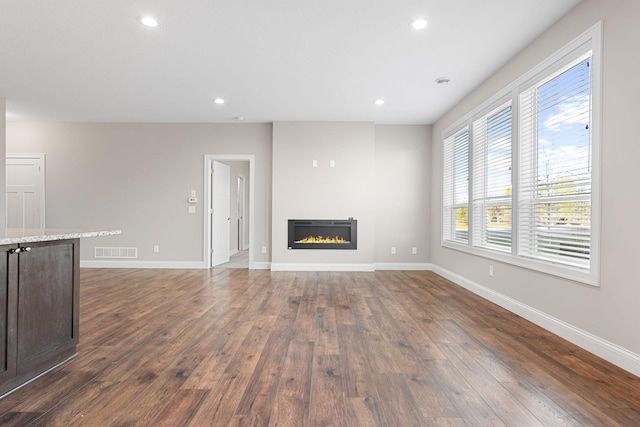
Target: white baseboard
(403,266)
(610,352)
(261,266)
(141,264)
(232,252)
(321,267)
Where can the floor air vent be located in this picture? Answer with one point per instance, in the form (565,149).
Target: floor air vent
(102,252)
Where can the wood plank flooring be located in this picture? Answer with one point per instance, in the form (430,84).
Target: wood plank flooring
(234,347)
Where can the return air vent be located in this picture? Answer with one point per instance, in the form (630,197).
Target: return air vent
(102,252)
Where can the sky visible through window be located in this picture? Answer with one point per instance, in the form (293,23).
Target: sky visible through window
(564,143)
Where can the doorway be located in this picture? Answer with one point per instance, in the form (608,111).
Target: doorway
(25,196)
(240,220)
(241,212)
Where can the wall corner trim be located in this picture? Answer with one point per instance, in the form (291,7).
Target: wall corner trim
(610,352)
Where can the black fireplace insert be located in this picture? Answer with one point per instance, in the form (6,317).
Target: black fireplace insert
(323,233)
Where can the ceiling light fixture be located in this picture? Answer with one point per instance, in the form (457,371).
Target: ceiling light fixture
(443,81)
(418,23)
(219,101)
(379,102)
(148,21)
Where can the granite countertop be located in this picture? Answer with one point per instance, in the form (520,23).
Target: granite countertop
(29,235)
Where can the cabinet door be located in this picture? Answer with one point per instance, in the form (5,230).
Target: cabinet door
(8,295)
(47,303)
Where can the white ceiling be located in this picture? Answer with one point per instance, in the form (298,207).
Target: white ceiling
(271,60)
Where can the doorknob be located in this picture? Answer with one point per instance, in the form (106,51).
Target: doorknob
(228,219)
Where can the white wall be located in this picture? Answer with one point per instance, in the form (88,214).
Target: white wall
(403,171)
(137,177)
(301,191)
(609,312)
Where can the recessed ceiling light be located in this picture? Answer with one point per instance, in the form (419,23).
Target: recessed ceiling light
(442,81)
(379,102)
(418,23)
(148,21)
(219,101)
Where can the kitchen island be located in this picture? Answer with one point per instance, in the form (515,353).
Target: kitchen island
(39,301)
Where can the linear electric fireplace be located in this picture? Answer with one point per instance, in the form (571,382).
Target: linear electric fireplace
(323,233)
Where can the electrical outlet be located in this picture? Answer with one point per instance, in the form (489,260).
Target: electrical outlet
(264,249)
(414,250)
(191,209)
(491,270)
(156,249)
(393,250)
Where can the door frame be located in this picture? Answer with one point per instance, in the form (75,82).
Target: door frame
(208,228)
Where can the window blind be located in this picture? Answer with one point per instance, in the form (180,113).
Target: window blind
(492,188)
(456,187)
(555,157)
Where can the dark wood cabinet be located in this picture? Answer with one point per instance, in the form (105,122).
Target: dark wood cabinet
(39,316)
(8,314)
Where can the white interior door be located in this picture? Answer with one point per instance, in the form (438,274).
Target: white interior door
(25,191)
(221,218)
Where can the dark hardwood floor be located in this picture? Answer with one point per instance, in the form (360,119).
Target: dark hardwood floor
(234,347)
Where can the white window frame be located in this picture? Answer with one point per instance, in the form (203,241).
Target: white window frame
(589,40)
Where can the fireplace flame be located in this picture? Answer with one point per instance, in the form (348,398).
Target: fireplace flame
(322,239)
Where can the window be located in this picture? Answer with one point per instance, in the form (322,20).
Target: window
(555,171)
(456,206)
(492,189)
(521,170)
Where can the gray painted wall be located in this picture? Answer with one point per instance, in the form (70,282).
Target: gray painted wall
(137,177)
(301,191)
(611,310)
(402,164)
